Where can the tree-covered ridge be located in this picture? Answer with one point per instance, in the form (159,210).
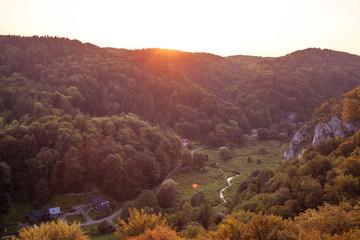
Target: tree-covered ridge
(76,77)
(328,172)
(266,89)
(298,82)
(61,153)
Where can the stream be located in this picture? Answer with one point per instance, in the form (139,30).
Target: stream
(229,184)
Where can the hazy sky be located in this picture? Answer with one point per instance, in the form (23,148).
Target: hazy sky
(223,27)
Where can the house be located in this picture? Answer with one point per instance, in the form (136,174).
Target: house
(45,214)
(184,142)
(98,203)
(38,215)
(54,212)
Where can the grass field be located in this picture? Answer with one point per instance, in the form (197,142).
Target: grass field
(79,218)
(17,213)
(91,229)
(67,202)
(212,179)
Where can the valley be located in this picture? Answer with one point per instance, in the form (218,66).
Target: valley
(158,133)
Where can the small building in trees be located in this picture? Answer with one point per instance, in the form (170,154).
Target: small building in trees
(184,142)
(38,215)
(45,214)
(98,203)
(54,212)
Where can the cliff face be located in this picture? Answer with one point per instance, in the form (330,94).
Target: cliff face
(317,132)
(299,141)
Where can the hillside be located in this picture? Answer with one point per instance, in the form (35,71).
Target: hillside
(327,170)
(268,90)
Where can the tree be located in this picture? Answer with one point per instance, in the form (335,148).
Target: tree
(147,199)
(5,181)
(271,227)
(197,198)
(224,153)
(205,215)
(138,223)
(125,212)
(192,230)
(52,231)
(5,202)
(199,159)
(329,219)
(104,227)
(73,171)
(5,176)
(186,158)
(159,233)
(167,193)
(185,215)
(42,191)
(262,134)
(231,229)
(346,148)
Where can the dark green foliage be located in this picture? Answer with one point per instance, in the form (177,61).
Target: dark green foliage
(167,193)
(147,199)
(125,210)
(105,227)
(263,134)
(199,160)
(205,215)
(197,198)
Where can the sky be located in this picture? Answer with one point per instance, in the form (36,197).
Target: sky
(223,27)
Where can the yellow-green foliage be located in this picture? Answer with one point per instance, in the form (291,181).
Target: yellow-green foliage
(329,219)
(260,227)
(159,233)
(351,105)
(52,231)
(138,223)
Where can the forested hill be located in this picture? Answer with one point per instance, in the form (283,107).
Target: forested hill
(74,115)
(266,89)
(326,172)
(75,77)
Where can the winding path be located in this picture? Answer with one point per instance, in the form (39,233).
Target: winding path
(80,209)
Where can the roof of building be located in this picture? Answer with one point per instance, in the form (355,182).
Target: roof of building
(38,214)
(98,199)
(55,210)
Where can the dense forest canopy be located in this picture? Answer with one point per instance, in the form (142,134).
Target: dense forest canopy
(266,89)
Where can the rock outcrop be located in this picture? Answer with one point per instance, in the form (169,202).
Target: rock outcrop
(313,133)
(299,141)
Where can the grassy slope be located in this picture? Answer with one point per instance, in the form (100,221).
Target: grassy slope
(78,218)
(212,180)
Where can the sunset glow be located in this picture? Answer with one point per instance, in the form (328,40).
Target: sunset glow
(266,28)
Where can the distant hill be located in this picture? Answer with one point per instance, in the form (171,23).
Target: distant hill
(266,89)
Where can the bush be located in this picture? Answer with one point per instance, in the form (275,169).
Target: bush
(282,137)
(263,134)
(104,227)
(224,153)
